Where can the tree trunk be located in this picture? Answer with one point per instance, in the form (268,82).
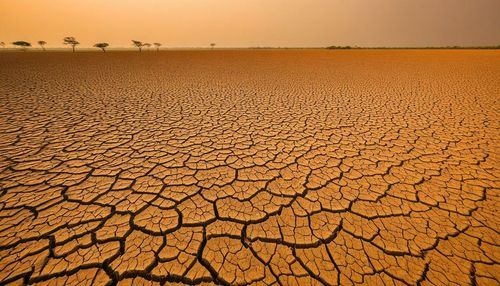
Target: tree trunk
(73,48)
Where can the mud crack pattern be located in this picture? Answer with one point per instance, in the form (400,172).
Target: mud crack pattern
(250,167)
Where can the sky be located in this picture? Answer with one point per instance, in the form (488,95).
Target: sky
(254,23)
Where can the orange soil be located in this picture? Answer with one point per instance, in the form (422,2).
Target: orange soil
(234,167)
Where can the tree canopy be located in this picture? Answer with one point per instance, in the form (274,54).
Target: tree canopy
(22,44)
(71,41)
(102,46)
(137,44)
(157,45)
(42,44)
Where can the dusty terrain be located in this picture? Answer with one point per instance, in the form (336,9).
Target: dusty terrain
(290,167)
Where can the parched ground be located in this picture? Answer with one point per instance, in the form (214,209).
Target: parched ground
(299,167)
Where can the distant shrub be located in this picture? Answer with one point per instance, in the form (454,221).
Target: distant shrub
(339,47)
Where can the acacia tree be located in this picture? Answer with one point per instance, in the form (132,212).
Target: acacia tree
(2,44)
(71,41)
(212,45)
(42,44)
(157,45)
(102,46)
(22,44)
(138,44)
(147,45)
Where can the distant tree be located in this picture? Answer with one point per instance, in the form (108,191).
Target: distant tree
(42,44)
(212,45)
(138,44)
(147,45)
(2,44)
(22,44)
(157,45)
(102,46)
(71,41)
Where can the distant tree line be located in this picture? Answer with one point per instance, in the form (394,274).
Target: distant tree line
(419,48)
(72,42)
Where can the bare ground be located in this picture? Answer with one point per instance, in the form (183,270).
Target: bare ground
(239,167)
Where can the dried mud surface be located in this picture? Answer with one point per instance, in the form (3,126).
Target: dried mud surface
(250,167)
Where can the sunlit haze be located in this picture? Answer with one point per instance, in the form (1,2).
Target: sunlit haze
(250,23)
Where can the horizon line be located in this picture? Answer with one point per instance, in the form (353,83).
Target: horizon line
(153,49)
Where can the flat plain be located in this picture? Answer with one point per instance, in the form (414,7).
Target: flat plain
(272,167)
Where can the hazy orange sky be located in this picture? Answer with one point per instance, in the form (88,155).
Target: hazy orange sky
(244,23)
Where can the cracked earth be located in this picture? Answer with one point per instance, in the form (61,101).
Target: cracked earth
(299,167)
